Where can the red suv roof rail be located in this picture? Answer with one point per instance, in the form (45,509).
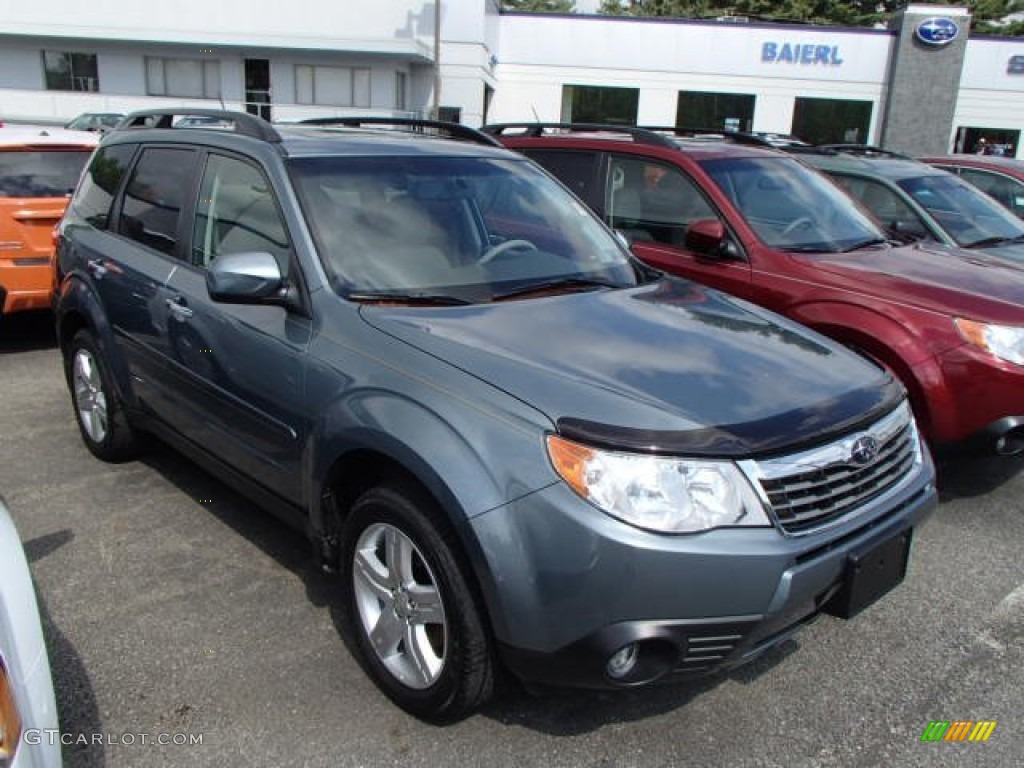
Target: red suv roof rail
(639,135)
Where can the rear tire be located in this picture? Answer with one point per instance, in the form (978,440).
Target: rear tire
(101,418)
(416,620)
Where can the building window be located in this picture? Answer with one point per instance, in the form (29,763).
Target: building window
(715,111)
(400,90)
(71,71)
(189,78)
(594,104)
(332,86)
(832,121)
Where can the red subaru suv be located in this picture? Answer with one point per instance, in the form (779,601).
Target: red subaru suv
(761,225)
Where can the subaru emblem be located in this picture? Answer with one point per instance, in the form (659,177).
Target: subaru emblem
(864,450)
(937,31)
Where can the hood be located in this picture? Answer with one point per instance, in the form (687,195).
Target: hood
(668,367)
(944,279)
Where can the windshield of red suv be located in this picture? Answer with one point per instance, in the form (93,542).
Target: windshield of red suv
(970,217)
(464,229)
(791,207)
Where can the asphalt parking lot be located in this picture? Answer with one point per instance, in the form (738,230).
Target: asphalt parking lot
(173,607)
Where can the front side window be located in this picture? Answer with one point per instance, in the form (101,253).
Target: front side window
(68,71)
(971,218)
(236,213)
(188,78)
(100,183)
(333,86)
(1007,191)
(887,206)
(648,200)
(791,207)
(154,196)
(468,228)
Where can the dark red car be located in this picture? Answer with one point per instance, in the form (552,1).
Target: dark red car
(762,225)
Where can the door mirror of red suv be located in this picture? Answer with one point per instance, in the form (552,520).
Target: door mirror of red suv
(706,236)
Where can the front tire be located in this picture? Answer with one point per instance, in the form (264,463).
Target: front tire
(101,418)
(413,612)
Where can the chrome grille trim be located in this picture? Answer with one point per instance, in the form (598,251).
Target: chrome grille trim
(811,490)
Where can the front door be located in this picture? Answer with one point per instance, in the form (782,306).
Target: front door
(246,364)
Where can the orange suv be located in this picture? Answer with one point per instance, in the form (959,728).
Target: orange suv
(39,168)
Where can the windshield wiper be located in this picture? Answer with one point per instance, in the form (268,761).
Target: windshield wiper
(803,249)
(388,297)
(549,285)
(988,241)
(865,244)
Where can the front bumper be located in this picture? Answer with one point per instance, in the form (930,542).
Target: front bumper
(580,586)
(978,394)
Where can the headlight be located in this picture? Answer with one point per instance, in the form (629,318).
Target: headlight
(10,722)
(656,492)
(1004,341)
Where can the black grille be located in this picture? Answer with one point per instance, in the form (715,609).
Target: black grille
(808,499)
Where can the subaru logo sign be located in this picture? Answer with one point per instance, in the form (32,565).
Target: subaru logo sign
(864,450)
(937,31)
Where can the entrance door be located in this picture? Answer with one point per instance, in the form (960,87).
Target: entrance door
(257,87)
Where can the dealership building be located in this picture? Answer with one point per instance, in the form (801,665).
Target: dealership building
(922,85)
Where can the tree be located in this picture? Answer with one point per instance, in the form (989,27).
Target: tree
(540,6)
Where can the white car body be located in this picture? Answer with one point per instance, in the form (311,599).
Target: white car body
(26,665)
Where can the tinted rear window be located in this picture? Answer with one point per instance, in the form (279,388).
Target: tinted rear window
(47,173)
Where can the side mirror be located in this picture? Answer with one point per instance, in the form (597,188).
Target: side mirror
(908,230)
(707,237)
(246,278)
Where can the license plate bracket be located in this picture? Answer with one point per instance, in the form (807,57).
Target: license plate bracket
(869,574)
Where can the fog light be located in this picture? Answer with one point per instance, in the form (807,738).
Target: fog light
(623,660)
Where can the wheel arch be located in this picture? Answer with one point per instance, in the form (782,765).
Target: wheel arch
(78,309)
(889,343)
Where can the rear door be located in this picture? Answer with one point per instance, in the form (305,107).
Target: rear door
(131,271)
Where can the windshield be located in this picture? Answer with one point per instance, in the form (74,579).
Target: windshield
(791,207)
(464,228)
(969,216)
(49,173)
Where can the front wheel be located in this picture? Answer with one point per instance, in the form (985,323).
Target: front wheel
(101,419)
(416,620)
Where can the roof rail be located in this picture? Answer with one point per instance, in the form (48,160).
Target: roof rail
(639,135)
(765,139)
(862,149)
(412,125)
(244,123)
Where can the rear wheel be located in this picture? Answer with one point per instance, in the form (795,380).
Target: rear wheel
(414,614)
(101,418)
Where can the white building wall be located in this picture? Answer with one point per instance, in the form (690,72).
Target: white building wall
(662,58)
(991,96)
(122,76)
(395,26)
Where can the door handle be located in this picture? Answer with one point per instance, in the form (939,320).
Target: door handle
(95,266)
(178,309)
